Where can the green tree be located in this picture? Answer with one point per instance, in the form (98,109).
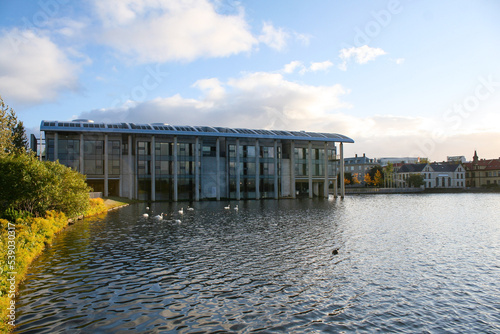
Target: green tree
(12,133)
(38,186)
(8,122)
(389,174)
(19,139)
(415,180)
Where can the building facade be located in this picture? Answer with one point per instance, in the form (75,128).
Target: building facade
(435,175)
(482,172)
(359,166)
(172,163)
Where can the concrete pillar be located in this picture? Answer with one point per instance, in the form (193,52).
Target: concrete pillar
(276,184)
(335,187)
(342,180)
(257,170)
(292,170)
(153,168)
(56,146)
(237,169)
(175,171)
(106,165)
(196,170)
(120,182)
(310,164)
(130,169)
(82,152)
(325,157)
(217,177)
(40,156)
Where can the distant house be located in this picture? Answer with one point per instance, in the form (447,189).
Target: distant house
(359,166)
(404,172)
(482,173)
(435,175)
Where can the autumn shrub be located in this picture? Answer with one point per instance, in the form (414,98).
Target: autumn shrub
(96,206)
(33,186)
(31,236)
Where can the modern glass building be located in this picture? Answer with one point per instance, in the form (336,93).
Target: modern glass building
(162,162)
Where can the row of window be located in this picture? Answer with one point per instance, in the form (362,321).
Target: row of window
(484,174)
(93,152)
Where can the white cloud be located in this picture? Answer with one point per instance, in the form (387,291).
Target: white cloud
(399,61)
(292,66)
(212,88)
(274,38)
(321,66)
(159,31)
(34,69)
(268,100)
(361,55)
(314,67)
(255,100)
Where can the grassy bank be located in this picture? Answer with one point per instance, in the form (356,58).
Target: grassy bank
(21,241)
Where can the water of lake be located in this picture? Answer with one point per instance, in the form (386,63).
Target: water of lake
(405,264)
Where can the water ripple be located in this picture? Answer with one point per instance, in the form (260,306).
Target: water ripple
(270,268)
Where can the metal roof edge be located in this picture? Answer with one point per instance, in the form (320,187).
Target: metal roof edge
(96,128)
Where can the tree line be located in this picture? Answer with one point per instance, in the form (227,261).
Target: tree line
(379,176)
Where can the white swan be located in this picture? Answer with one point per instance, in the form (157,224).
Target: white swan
(181,211)
(145,215)
(178,221)
(147,208)
(190,209)
(227,207)
(236,207)
(159,217)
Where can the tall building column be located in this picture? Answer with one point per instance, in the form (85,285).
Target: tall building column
(325,186)
(217,162)
(276,183)
(257,170)
(342,180)
(237,170)
(196,169)
(175,171)
(130,169)
(335,187)
(56,146)
(153,168)
(309,163)
(106,164)
(292,170)
(82,151)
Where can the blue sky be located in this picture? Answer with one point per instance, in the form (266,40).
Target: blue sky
(400,77)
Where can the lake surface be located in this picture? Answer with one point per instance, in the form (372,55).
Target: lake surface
(405,264)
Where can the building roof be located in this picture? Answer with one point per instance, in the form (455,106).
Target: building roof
(484,164)
(412,168)
(444,167)
(436,167)
(187,130)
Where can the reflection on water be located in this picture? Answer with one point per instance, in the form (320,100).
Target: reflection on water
(405,263)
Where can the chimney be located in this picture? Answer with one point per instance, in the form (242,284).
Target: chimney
(364,155)
(356,155)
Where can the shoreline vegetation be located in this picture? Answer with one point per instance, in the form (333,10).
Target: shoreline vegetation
(31,236)
(38,199)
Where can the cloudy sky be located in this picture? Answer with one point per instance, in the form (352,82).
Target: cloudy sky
(400,77)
